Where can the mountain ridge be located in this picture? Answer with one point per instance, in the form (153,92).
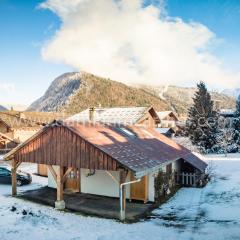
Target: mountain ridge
(75,91)
(2,108)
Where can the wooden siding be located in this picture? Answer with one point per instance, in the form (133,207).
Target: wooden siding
(61,146)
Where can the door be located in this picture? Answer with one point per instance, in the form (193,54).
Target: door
(42,170)
(139,190)
(73,181)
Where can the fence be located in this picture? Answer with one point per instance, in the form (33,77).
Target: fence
(189,179)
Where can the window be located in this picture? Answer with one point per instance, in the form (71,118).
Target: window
(127,132)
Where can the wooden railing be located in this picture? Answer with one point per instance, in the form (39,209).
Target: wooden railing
(189,179)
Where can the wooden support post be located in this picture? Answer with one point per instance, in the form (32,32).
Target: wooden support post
(79,179)
(60,204)
(15,165)
(14,178)
(122,194)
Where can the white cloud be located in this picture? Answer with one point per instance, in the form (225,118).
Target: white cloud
(122,40)
(7,88)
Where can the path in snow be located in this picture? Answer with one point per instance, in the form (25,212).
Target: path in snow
(211,213)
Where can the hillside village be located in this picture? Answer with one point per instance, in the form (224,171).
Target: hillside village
(87,153)
(118,162)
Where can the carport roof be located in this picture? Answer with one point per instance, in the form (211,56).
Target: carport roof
(139,149)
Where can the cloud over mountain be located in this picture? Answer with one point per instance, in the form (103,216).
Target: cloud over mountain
(125,41)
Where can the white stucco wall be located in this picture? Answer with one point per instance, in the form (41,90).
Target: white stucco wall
(102,184)
(99,184)
(51,182)
(151,190)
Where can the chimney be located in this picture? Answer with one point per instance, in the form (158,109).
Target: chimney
(91,114)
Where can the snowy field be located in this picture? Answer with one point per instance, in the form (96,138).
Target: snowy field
(211,213)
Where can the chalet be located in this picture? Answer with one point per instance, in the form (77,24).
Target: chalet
(7,143)
(120,161)
(168,119)
(17,128)
(138,116)
(40,118)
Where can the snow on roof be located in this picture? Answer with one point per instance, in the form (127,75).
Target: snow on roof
(162,115)
(117,115)
(227,111)
(164,130)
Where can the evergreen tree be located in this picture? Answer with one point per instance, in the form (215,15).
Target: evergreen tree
(236,124)
(202,121)
(237,113)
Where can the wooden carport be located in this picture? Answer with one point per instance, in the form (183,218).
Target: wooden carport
(59,145)
(138,150)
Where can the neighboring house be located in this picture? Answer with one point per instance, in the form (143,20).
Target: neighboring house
(37,120)
(168,132)
(168,119)
(139,116)
(105,159)
(41,118)
(7,143)
(17,128)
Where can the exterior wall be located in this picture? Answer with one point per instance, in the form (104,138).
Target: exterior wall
(3,128)
(167,124)
(51,182)
(22,135)
(102,184)
(151,189)
(147,121)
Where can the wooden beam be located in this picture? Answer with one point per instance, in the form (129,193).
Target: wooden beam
(54,174)
(66,174)
(79,179)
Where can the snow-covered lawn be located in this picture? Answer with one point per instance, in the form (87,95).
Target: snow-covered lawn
(210,213)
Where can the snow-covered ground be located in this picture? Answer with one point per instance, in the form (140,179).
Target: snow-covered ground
(210,213)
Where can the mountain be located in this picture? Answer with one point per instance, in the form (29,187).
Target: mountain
(2,108)
(232,92)
(74,92)
(180,98)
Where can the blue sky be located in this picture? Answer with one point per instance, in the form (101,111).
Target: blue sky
(24,28)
